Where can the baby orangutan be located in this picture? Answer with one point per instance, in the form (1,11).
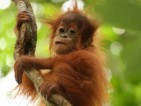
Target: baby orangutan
(76,71)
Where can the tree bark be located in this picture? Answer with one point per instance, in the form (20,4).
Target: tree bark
(26,45)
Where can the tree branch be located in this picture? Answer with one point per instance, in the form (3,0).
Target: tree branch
(26,44)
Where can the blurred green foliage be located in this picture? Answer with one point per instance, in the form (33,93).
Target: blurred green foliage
(123,46)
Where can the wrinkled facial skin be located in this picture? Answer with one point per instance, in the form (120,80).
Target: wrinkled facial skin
(65,38)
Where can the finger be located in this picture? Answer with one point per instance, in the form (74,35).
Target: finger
(19,76)
(24,20)
(43,90)
(49,93)
(18,73)
(16,77)
(16,70)
(24,15)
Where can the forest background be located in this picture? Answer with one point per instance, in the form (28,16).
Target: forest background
(121,30)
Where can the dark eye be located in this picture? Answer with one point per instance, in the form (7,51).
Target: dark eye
(61,29)
(72,31)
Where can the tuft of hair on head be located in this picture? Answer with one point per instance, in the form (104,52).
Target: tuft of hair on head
(75,4)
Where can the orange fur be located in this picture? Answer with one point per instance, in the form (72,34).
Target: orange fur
(78,76)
